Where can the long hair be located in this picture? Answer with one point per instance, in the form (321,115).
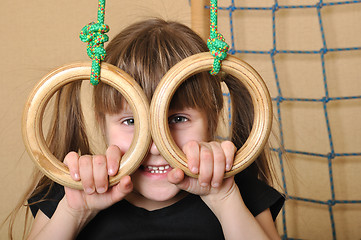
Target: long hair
(67,114)
(147,50)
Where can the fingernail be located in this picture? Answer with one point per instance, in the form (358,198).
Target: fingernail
(228,167)
(215,185)
(101,190)
(110,172)
(89,190)
(204,184)
(76,176)
(194,170)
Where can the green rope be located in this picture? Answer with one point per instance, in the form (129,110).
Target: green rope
(94,35)
(216,43)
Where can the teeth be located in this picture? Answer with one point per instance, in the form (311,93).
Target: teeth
(156,171)
(160,169)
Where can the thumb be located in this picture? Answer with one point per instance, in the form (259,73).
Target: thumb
(177,177)
(123,188)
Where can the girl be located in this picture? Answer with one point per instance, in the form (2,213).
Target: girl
(156,202)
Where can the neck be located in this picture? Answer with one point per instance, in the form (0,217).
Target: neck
(139,200)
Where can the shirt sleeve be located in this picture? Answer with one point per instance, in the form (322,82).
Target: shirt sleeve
(257,195)
(47,200)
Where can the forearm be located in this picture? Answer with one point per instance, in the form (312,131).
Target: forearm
(236,220)
(63,224)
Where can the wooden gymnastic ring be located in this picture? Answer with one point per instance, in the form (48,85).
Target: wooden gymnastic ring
(34,110)
(203,62)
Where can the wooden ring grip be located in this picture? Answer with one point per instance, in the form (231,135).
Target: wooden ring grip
(202,62)
(57,171)
(45,89)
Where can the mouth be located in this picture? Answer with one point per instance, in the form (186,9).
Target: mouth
(161,169)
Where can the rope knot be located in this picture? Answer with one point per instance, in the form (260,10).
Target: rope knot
(95,35)
(218,48)
(216,43)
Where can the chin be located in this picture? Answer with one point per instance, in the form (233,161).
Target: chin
(162,194)
(153,191)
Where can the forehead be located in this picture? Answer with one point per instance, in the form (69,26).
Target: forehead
(173,109)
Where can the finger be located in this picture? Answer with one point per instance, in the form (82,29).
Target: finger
(113,156)
(206,166)
(71,160)
(120,190)
(86,173)
(175,176)
(191,150)
(219,161)
(100,173)
(229,150)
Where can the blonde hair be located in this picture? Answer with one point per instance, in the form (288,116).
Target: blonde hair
(147,50)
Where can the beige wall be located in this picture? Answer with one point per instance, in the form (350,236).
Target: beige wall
(40,35)
(37,37)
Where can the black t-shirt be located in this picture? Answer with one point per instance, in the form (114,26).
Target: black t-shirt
(189,218)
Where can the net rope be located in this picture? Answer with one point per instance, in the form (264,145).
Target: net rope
(325,100)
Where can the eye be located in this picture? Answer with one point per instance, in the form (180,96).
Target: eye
(177,119)
(128,122)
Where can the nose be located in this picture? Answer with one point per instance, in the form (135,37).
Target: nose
(154,149)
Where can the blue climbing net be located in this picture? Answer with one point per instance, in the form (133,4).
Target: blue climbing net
(280,98)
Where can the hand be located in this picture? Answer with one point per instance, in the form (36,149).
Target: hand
(93,172)
(210,161)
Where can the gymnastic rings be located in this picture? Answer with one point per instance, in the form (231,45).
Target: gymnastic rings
(45,89)
(132,92)
(177,75)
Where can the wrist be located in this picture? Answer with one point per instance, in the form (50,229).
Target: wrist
(79,218)
(236,220)
(222,200)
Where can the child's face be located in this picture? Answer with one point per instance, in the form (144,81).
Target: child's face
(150,180)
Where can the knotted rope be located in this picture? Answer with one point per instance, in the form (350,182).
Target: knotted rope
(216,43)
(94,35)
